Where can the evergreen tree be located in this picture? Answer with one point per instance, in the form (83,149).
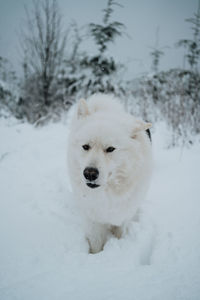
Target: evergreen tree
(193,45)
(100,67)
(106,33)
(192,86)
(156,54)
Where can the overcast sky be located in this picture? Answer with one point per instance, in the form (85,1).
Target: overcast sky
(141,18)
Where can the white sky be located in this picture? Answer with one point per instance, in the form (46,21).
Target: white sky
(141,18)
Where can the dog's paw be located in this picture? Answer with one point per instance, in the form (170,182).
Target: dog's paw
(117,231)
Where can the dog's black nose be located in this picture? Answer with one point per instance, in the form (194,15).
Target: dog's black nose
(91,174)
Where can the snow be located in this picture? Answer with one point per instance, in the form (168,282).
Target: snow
(43,253)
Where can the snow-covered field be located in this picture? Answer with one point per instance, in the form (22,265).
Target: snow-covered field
(43,254)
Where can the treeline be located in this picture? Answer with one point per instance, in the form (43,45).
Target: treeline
(56,72)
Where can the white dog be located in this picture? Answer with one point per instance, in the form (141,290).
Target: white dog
(110,162)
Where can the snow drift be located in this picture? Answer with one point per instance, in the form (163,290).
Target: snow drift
(43,254)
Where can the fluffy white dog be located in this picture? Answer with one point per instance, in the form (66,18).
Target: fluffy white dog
(110,162)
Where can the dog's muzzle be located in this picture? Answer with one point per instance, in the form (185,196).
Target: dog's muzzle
(91,174)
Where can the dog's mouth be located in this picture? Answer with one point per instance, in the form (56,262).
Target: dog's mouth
(92,185)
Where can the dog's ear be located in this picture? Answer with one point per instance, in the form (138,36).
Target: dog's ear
(140,126)
(82,110)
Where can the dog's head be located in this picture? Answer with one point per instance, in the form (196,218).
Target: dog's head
(108,148)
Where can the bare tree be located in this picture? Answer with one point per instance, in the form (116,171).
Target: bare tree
(43,45)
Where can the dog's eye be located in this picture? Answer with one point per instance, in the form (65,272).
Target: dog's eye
(110,149)
(86,147)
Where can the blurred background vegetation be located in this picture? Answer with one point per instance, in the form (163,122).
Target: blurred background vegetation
(57,72)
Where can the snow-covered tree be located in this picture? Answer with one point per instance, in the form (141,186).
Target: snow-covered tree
(100,68)
(156,55)
(192,45)
(8,88)
(7,74)
(106,33)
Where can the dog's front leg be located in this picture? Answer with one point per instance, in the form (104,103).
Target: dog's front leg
(97,235)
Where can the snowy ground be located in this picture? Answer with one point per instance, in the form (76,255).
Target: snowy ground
(43,254)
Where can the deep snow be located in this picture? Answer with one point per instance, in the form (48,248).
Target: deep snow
(43,254)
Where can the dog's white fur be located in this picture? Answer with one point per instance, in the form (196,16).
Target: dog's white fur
(124,174)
